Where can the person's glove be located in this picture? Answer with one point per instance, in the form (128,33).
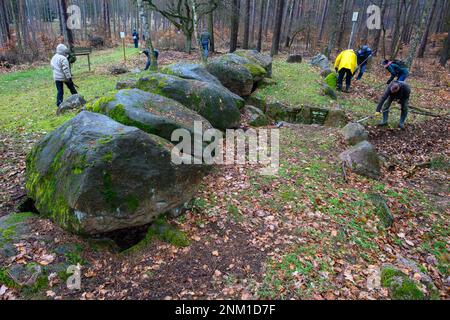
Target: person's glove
(337,70)
(378,115)
(389,82)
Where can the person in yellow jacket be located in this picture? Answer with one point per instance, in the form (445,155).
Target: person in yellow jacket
(345,65)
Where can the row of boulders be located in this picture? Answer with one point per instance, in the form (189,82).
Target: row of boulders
(110,167)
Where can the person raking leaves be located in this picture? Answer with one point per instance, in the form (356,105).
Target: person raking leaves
(397,91)
(397,68)
(345,66)
(62,73)
(364,54)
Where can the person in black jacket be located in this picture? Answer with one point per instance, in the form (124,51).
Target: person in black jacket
(135,38)
(397,91)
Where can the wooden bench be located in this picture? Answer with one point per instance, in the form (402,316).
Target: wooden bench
(84,52)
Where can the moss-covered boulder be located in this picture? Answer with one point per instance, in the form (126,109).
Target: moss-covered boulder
(237,73)
(363,160)
(264,61)
(402,287)
(215,103)
(94,175)
(149,112)
(192,71)
(336,118)
(255,117)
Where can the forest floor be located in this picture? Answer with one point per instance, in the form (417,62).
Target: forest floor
(305,234)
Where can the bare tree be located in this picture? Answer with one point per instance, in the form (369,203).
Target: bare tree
(180,14)
(423,44)
(234,28)
(246,25)
(261,23)
(277,29)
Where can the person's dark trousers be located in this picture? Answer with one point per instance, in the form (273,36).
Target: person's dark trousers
(60,88)
(205,46)
(136,44)
(362,71)
(403,116)
(347,73)
(148,65)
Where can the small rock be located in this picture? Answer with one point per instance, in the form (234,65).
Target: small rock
(294,58)
(127,84)
(256,118)
(116,70)
(363,160)
(355,133)
(328,91)
(320,61)
(74,102)
(325,72)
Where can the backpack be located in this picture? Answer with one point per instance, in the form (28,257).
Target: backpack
(401,64)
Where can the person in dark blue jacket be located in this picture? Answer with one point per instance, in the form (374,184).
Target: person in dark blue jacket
(364,55)
(397,69)
(135,38)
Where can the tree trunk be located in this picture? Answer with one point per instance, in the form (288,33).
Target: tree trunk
(322,22)
(147,31)
(342,25)
(291,20)
(211,30)
(337,5)
(196,30)
(246,25)
(68,35)
(423,44)
(5,21)
(261,23)
(277,29)
(419,32)
(376,42)
(445,54)
(234,32)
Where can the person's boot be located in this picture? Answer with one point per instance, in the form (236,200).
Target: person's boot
(347,90)
(401,127)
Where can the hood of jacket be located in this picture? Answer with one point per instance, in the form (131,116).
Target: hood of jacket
(62,49)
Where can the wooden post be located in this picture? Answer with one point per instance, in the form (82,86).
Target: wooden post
(122,35)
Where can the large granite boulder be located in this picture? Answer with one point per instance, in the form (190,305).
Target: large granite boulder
(94,175)
(73,103)
(320,61)
(215,103)
(149,112)
(237,73)
(256,57)
(192,71)
(363,160)
(355,133)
